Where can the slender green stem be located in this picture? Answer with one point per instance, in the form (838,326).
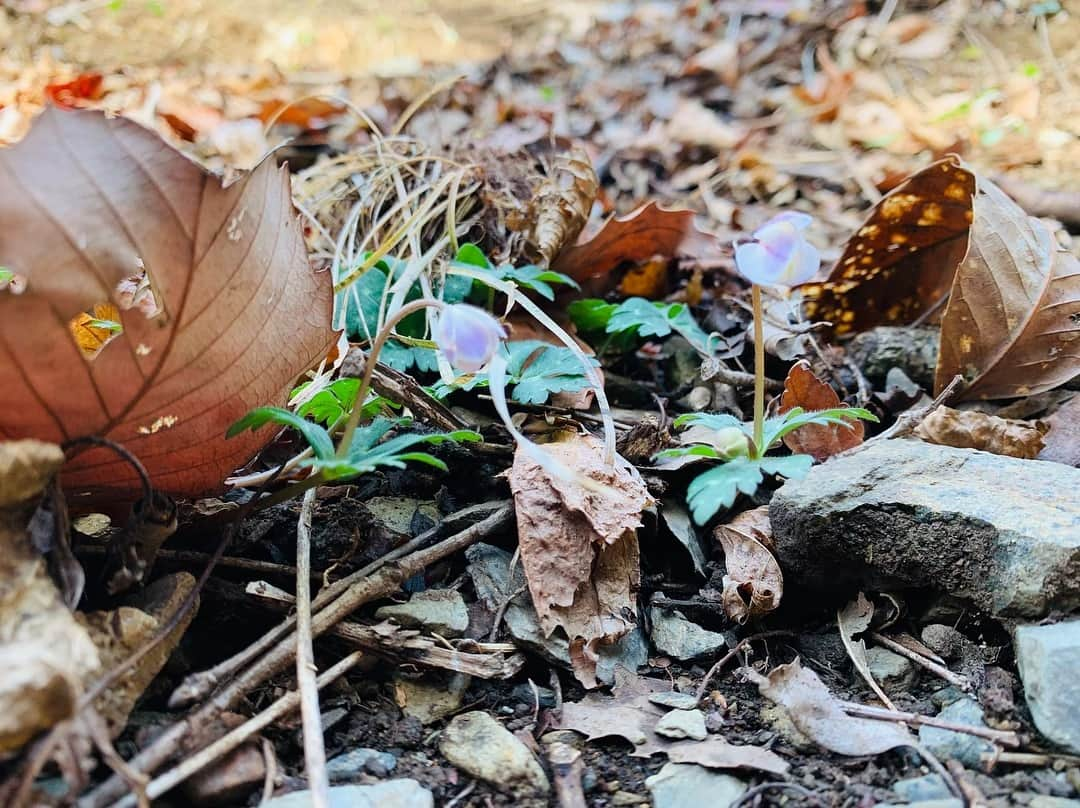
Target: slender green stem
(759,372)
(369,367)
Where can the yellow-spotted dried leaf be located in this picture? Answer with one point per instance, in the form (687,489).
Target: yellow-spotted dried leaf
(1012,326)
(968,429)
(900,263)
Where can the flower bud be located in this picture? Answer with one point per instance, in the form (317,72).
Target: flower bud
(467,336)
(779,254)
(731,442)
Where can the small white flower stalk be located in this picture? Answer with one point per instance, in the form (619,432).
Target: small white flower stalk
(777,254)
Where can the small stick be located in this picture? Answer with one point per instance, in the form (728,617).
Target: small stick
(494,634)
(908,420)
(969,792)
(180,558)
(1003,737)
(991,759)
(730,655)
(270,767)
(567,770)
(228,742)
(919,659)
(314,750)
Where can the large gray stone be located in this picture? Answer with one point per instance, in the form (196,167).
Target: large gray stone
(489,570)
(439,610)
(478,744)
(946,744)
(1049,662)
(1000,532)
(403,793)
(681,785)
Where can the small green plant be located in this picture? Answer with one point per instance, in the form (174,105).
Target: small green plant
(639,317)
(777,255)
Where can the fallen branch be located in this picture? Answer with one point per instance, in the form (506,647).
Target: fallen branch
(1003,737)
(919,659)
(383,583)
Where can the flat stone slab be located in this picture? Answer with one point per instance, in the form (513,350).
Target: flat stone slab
(1049,662)
(1000,532)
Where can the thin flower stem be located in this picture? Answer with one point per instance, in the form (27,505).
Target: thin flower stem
(759,371)
(369,367)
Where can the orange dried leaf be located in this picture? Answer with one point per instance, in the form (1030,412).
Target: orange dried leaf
(71,94)
(821,441)
(648,280)
(92,332)
(901,262)
(240,313)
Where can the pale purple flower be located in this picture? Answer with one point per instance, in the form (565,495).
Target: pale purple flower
(779,254)
(468,336)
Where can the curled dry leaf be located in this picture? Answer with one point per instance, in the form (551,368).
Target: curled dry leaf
(646,232)
(753,582)
(87,203)
(818,714)
(969,429)
(563,202)
(579,545)
(900,263)
(1012,326)
(821,441)
(855,619)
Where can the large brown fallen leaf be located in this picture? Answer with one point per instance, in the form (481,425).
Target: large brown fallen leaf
(970,429)
(900,263)
(579,546)
(87,202)
(638,236)
(821,441)
(818,714)
(1012,326)
(753,582)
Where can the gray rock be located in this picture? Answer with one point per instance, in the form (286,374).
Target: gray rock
(945,641)
(889,669)
(902,513)
(675,701)
(403,793)
(432,697)
(479,745)
(914,350)
(674,635)
(1045,801)
(928,787)
(946,744)
(949,802)
(360,761)
(679,785)
(1049,660)
(442,611)
(488,569)
(682,724)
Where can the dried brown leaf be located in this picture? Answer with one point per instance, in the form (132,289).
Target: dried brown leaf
(969,429)
(753,582)
(900,263)
(646,232)
(819,715)
(854,619)
(563,203)
(821,441)
(1012,326)
(86,201)
(579,545)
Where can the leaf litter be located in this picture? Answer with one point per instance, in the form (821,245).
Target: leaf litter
(629,156)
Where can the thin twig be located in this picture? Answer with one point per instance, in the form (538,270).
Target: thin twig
(743,643)
(919,659)
(311,719)
(494,633)
(379,585)
(228,742)
(1003,737)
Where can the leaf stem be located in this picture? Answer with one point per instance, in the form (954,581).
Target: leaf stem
(759,372)
(369,367)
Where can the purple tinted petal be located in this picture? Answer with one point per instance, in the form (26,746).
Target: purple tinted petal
(756,264)
(467,336)
(781,239)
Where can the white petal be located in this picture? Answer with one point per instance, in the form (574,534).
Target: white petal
(756,264)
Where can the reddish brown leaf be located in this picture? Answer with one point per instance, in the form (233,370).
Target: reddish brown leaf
(306,113)
(753,582)
(821,441)
(648,231)
(1012,326)
(900,264)
(969,429)
(579,546)
(87,202)
(72,94)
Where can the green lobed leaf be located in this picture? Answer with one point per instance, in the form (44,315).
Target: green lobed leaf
(719,486)
(591,314)
(776,428)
